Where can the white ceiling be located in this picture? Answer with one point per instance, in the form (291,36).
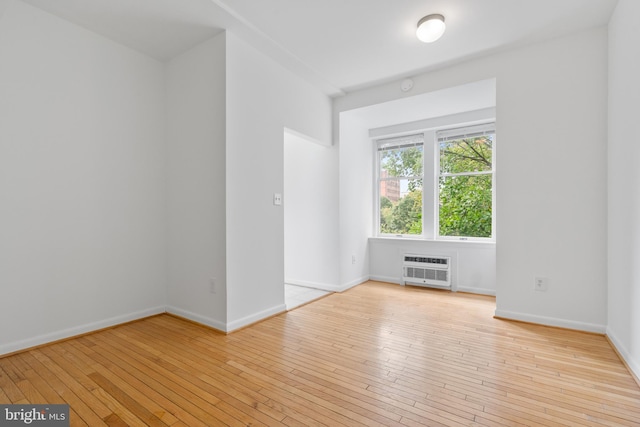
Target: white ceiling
(338,45)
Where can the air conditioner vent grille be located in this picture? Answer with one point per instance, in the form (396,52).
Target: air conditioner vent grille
(426,260)
(427,271)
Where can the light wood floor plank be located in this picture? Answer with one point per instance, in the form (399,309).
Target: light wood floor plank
(9,388)
(376,355)
(80,413)
(177,400)
(215,393)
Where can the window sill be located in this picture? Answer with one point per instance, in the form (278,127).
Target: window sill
(396,239)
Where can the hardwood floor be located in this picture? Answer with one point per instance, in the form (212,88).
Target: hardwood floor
(377,354)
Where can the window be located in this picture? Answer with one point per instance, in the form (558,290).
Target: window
(465,184)
(437,184)
(400,179)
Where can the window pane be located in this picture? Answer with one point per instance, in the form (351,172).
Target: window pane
(466,155)
(401,161)
(401,206)
(465,206)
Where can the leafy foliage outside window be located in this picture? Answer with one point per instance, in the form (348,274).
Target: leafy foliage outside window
(402,217)
(461,193)
(465,187)
(401,168)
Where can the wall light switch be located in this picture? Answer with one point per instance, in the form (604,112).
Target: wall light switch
(277,199)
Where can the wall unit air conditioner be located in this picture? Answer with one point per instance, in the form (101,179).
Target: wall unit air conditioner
(424,270)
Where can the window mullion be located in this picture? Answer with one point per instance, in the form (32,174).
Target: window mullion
(444,175)
(429,188)
(394,178)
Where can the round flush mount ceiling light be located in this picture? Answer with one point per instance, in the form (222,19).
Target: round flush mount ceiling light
(430,28)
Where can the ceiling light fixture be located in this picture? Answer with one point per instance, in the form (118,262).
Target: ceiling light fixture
(430,28)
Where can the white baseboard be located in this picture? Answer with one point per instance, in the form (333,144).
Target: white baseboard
(208,321)
(479,291)
(387,279)
(227,327)
(315,285)
(351,284)
(77,330)
(398,281)
(633,365)
(331,288)
(248,320)
(551,321)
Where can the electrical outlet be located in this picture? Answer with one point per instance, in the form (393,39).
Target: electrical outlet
(212,285)
(277,199)
(541,284)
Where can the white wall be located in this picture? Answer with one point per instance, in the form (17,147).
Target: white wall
(82,217)
(4,4)
(551,182)
(356,199)
(196,183)
(87,202)
(624,183)
(262,99)
(473,264)
(228,106)
(311,240)
(550,177)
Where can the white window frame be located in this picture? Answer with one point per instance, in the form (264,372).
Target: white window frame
(431,175)
(460,132)
(378,180)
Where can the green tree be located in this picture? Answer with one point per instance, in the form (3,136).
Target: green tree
(404,162)
(466,200)
(386,209)
(406,215)
(465,206)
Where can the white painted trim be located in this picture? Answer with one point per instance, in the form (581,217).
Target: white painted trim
(633,365)
(387,279)
(479,291)
(77,330)
(198,318)
(398,281)
(551,321)
(314,285)
(253,318)
(351,284)
(453,243)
